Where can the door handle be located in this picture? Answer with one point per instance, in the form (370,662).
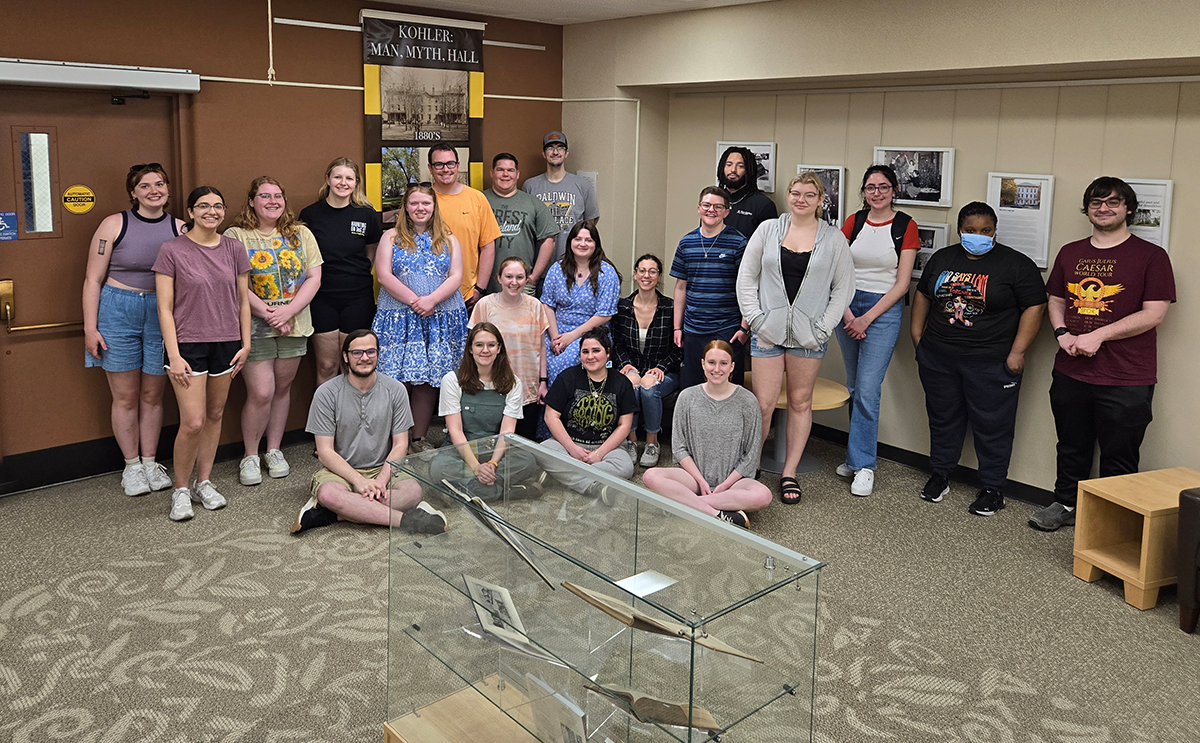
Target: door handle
(8,309)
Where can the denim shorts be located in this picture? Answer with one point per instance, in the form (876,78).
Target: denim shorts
(128,322)
(770,352)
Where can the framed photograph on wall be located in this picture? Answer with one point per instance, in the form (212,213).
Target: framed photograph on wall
(933,238)
(764,153)
(926,174)
(1152,222)
(1023,204)
(833,210)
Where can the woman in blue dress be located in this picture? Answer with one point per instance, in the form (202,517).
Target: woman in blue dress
(421,321)
(581,291)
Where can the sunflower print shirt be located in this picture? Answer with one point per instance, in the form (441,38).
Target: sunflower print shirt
(278,267)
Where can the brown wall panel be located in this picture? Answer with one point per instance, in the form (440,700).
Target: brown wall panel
(232,132)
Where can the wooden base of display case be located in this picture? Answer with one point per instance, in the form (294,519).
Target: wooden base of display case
(464,717)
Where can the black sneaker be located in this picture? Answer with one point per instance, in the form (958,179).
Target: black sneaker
(936,489)
(423,519)
(737,518)
(987,503)
(312,515)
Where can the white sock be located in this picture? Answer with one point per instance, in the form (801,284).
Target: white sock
(148,461)
(132,462)
(1069,508)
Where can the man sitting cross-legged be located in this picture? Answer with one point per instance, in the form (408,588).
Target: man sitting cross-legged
(360,420)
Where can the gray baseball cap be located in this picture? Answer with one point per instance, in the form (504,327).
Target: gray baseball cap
(554,138)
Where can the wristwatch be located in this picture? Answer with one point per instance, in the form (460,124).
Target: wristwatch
(1060,332)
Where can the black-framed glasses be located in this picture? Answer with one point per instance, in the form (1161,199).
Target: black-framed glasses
(1112,202)
(444,166)
(145,166)
(358,353)
(880,188)
(712,207)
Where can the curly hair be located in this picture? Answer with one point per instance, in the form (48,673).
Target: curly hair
(288,225)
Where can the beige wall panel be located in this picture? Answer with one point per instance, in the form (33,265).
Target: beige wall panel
(918,119)
(976,133)
(826,129)
(791,128)
(1140,130)
(1025,141)
(1078,147)
(653,173)
(864,131)
(749,118)
(695,127)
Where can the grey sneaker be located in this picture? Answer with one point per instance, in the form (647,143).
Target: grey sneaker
(206,495)
(1052,517)
(181,505)
(650,456)
(423,519)
(277,466)
(134,481)
(249,471)
(844,470)
(630,448)
(601,492)
(157,476)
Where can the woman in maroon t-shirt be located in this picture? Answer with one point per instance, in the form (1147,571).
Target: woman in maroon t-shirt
(204,310)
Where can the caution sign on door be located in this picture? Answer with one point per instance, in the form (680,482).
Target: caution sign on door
(79,199)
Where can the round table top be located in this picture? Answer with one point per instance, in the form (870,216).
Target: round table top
(827,394)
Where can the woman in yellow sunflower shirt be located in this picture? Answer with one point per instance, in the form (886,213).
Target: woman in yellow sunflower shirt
(285,273)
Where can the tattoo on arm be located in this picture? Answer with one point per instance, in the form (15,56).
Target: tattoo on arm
(102,244)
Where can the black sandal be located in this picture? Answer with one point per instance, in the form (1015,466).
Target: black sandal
(789,491)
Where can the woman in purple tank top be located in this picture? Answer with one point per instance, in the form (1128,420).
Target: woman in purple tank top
(120,322)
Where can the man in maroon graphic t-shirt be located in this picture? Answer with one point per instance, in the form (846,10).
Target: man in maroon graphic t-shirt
(1108,293)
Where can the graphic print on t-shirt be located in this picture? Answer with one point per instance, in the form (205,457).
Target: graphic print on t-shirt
(961,296)
(1090,296)
(593,412)
(276,270)
(562,206)
(510,220)
(358,229)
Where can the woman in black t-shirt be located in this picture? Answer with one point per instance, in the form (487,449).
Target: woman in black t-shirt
(589,411)
(347,229)
(977,309)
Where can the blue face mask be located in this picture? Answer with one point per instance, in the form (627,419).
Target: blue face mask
(976,244)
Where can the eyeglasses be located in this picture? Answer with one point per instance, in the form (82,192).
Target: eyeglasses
(208,208)
(145,166)
(448,165)
(358,353)
(1112,202)
(557,148)
(481,345)
(873,188)
(646,271)
(270,196)
(806,196)
(712,207)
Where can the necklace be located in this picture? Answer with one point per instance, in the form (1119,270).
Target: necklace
(593,390)
(704,247)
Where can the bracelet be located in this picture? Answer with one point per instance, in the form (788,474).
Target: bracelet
(492,462)
(543,379)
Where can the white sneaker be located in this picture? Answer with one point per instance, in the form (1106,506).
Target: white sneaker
(133,479)
(277,466)
(630,448)
(650,456)
(249,471)
(864,483)
(157,476)
(205,494)
(181,505)
(844,470)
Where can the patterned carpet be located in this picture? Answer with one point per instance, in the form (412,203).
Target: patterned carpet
(932,625)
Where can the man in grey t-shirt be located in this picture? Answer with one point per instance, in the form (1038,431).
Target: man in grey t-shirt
(528,228)
(360,420)
(571,198)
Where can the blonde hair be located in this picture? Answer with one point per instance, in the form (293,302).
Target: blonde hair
(815,181)
(287,225)
(359,196)
(406,237)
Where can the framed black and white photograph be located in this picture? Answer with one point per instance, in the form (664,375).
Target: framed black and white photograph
(933,237)
(833,209)
(764,153)
(424,105)
(925,174)
(1152,220)
(1023,204)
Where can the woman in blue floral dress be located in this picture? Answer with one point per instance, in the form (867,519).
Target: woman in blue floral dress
(581,291)
(422,320)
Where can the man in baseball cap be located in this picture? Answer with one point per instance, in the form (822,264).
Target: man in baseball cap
(571,198)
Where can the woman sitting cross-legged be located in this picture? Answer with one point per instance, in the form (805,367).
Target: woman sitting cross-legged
(589,411)
(715,439)
(482,400)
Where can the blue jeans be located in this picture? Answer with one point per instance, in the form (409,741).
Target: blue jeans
(649,403)
(866,362)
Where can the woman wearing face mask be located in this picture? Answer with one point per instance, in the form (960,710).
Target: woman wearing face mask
(977,308)
(883,244)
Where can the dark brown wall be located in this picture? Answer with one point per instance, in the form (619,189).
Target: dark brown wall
(233,132)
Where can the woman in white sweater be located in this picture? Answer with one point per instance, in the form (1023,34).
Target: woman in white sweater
(795,281)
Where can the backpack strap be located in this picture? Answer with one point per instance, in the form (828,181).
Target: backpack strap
(860,219)
(899,227)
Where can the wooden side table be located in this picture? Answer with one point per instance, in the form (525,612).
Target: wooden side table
(1128,526)
(827,395)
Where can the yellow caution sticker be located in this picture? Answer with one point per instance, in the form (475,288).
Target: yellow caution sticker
(79,199)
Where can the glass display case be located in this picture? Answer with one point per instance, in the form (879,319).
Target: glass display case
(611,614)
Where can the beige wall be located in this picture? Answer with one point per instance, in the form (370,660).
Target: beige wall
(1148,130)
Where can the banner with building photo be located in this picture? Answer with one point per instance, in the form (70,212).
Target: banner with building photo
(422,85)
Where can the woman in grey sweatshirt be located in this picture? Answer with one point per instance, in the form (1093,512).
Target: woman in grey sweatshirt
(795,281)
